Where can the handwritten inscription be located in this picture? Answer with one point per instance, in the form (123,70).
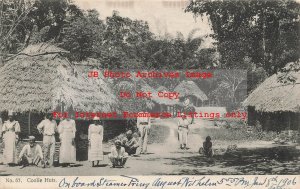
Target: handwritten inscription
(275,182)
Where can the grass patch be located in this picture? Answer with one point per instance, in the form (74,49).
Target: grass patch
(158,134)
(230,134)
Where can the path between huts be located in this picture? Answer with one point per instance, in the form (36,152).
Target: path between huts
(164,158)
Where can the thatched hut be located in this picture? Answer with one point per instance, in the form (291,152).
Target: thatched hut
(133,85)
(274,104)
(40,79)
(191,89)
(167,104)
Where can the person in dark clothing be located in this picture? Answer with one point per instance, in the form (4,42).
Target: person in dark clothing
(207,147)
(130,143)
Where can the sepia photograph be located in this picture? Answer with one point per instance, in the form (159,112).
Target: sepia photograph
(150,94)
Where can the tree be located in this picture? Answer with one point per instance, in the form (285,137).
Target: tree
(49,13)
(228,82)
(32,21)
(124,40)
(265,31)
(83,35)
(13,20)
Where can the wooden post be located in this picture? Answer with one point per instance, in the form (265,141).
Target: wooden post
(29,123)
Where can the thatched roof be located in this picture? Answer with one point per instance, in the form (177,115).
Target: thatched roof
(272,95)
(42,82)
(190,88)
(88,64)
(41,49)
(147,88)
(142,85)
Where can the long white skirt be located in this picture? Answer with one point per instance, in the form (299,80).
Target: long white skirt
(67,153)
(95,149)
(9,152)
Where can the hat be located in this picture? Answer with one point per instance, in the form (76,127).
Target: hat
(129,132)
(10,113)
(96,118)
(183,114)
(117,142)
(31,138)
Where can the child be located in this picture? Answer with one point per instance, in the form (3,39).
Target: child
(207,147)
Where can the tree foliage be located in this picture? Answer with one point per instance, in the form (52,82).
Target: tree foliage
(265,31)
(13,25)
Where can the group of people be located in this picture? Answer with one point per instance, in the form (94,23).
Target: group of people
(129,145)
(33,154)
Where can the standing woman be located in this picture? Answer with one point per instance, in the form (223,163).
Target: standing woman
(67,152)
(95,141)
(10,130)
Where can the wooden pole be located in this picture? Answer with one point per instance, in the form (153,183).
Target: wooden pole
(29,122)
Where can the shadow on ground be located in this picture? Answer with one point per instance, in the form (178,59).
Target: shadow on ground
(278,160)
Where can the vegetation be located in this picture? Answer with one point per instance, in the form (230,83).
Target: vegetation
(259,36)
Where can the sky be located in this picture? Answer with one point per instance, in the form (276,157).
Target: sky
(163,16)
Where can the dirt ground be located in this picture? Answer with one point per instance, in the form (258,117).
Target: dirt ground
(255,157)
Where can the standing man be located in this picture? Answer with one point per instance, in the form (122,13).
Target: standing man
(48,127)
(183,129)
(143,124)
(189,110)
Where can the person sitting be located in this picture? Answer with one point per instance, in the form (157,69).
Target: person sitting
(118,156)
(31,153)
(130,143)
(207,147)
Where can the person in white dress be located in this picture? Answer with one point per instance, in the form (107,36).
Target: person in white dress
(95,136)
(10,131)
(143,124)
(67,152)
(48,127)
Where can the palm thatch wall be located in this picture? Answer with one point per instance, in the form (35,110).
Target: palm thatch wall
(275,104)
